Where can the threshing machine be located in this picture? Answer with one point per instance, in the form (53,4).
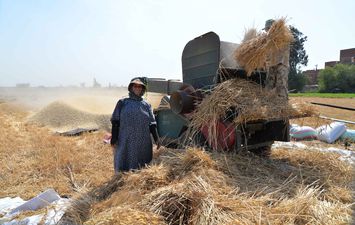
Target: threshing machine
(206,62)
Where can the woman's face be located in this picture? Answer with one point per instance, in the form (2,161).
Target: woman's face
(137,89)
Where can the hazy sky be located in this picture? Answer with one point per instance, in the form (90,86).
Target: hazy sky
(67,42)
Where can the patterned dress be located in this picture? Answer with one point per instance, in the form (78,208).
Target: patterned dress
(134,146)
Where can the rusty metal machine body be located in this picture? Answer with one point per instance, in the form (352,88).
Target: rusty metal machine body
(206,62)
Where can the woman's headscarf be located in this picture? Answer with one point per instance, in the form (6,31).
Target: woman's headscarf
(137,80)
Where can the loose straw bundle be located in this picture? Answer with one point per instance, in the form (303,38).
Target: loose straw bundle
(254,53)
(250,34)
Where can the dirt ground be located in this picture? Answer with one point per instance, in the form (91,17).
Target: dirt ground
(329,111)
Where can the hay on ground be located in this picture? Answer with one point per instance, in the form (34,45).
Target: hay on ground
(219,188)
(125,216)
(292,186)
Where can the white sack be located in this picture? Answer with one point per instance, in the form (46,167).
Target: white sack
(330,133)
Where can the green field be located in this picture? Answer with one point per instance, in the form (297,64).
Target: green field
(323,95)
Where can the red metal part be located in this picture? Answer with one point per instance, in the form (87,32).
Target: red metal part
(225,136)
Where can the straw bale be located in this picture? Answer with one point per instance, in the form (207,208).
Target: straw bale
(263,50)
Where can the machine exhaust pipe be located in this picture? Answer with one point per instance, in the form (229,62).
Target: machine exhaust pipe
(184,101)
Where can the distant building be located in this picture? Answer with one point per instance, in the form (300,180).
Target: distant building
(23,85)
(312,76)
(330,63)
(347,56)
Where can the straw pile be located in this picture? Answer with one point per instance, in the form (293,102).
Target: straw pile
(260,50)
(241,101)
(62,117)
(194,187)
(248,99)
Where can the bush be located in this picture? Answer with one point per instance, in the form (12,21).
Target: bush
(297,81)
(340,78)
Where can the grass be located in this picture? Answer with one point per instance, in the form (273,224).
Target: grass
(323,95)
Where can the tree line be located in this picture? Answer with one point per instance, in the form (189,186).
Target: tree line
(340,78)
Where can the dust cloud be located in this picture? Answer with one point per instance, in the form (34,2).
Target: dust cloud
(92,100)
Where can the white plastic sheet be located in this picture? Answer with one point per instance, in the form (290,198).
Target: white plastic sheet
(40,201)
(8,204)
(10,207)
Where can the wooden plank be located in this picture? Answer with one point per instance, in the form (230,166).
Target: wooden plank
(333,106)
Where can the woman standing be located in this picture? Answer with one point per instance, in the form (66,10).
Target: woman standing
(132,123)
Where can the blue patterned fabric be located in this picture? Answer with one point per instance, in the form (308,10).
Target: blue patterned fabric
(134,146)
